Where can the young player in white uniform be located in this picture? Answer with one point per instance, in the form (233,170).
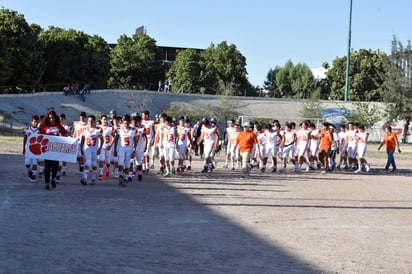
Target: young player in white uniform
(261,147)
(209,136)
(141,147)
(228,132)
(313,147)
(168,144)
(234,148)
(343,139)
(78,129)
(351,144)
(272,145)
(105,157)
(115,158)
(158,146)
(31,163)
(334,148)
(125,147)
(190,147)
(150,131)
(302,146)
(91,144)
(288,145)
(63,165)
(362,138)
(183,136)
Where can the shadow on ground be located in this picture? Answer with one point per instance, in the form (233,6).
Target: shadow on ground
(147,227)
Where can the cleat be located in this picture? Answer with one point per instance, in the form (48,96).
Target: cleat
(83,181)
(121,180)
(33,179)
(274,169)
(319,165)
(93,182)
(368,167)
(358,170)
(139,177)
(30,173)
(100,177)
(107,175)
(129,179)
(323,172)
(245,175)
(167,174)
(233,168)
(307,168)
(53,182)
(262,169)
(47,187)
(189,168)
(204,170)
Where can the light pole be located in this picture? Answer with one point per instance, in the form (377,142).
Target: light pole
(348,58)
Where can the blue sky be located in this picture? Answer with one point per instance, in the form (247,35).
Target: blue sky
(268,33)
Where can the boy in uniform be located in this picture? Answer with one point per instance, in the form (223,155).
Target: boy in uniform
(106,153)
(168,142)
(31,163)
(78,129)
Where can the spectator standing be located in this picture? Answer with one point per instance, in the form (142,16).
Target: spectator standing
(246,140)
(391,141)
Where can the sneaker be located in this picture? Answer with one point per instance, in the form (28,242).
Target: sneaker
(233,168)
(83,181)
(245,175)
(189,168)
(30,174)
(358,170)
(274,169)
(47,187)
(53,182)
(307,168)
(93,182)
(100,177)
(57,179)
(167,174)
(319,165)
(130,179)
(107,175)
(323,172)
(262,169)
(121,180)
(139,177)
(152,166)
(204,170)
(368,167)
(33,179)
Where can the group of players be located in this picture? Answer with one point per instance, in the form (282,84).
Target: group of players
(131,143)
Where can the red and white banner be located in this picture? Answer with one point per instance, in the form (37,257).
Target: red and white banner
(49,147)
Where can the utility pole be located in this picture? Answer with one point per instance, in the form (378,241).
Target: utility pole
(348,58)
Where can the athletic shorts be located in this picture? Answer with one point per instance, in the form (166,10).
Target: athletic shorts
(351,151)
(169,153)
(105,155)
(30,161)
(360,152)
(90,156)
(124,157)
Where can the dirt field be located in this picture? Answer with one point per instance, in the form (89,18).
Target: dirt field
(208,223)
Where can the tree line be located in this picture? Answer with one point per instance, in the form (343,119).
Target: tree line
(35,59)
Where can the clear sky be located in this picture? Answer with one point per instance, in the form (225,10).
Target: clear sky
(267,32)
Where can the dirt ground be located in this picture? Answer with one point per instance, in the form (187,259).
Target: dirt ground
(208,223)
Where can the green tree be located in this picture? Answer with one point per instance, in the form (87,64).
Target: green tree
(366,76)
(223,62)
(135,63)
(397,87)
(21,52)
(185,71)
(75,56)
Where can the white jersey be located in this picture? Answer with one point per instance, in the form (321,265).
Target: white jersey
(342,139)
(148,128)
(261,139)
(352,137)
(272,138)
(107,133)
(28,131)
(210,134)
(183,135)
(302,137)
(91,138)
(362,136)
(335,139)
(169,136)
(78,128)
(289,137)
(126,138)
(68,128)
(140,132)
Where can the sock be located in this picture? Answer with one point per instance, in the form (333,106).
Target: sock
(85,173)
(101,171)
(41,169)
(94,174)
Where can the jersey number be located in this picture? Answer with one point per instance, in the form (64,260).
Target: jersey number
(91,141)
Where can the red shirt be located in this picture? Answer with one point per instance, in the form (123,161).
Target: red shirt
(55,130)
(390,140)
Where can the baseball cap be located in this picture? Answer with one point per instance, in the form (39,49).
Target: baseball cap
(247,124)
